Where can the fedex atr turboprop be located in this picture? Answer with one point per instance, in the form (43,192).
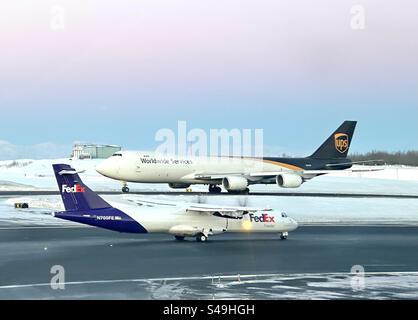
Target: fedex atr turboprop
(180,220)
(234,174)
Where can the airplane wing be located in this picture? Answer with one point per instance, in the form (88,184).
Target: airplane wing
(275,173)
(151,203)
(316,172)
(216,176)
(313,172)
(226,212)
(221,211)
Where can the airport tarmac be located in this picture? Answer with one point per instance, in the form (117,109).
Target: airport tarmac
(315,262)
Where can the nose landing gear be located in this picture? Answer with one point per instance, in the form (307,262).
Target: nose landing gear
(125,188)
(284,235)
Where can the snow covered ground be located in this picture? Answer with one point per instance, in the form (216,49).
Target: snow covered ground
(307,286)
(306,210)
(30,175)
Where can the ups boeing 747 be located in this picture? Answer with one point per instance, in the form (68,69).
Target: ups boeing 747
(234,174)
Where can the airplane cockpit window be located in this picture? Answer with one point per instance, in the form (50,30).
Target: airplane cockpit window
(117,155)
(284,215)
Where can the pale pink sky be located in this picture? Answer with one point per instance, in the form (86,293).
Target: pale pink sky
(254,62)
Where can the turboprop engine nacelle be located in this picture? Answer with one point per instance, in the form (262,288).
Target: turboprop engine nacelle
(235,183)
(190,231)
(184,230)
(289,180)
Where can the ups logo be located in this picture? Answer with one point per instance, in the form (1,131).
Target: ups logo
(341,142)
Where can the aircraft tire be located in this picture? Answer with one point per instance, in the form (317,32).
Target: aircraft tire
(125,190)
(214,189)
(201,237)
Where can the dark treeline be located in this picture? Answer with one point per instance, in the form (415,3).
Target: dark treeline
(408,158)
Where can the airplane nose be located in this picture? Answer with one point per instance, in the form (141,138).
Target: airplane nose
(292,224)
(100,168)
(104,168)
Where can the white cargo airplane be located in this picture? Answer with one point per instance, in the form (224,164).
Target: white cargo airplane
(234,174)
(82,205)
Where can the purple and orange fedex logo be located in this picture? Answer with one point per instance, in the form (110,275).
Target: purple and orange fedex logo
(75,189)
(265,218)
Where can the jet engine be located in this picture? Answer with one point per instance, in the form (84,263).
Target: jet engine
(289,180)
(235,183)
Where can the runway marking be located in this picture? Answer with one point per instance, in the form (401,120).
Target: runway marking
(215,277)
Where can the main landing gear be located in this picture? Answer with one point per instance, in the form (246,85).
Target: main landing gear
(201,237)
(284,235)
(125,188)
(213,188)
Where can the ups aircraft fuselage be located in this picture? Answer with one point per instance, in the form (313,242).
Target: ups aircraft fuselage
(234,174)
(148,167)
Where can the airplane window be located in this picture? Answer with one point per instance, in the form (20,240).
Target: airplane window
(117,155)
(284,215)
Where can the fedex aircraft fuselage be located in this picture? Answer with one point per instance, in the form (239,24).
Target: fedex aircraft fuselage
(235,174)
(181,222)
(82,205)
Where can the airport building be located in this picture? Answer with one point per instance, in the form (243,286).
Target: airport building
(93,151)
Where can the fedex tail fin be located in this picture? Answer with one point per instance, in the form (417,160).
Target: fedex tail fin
(338,144)
(82,205)
(74,193)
